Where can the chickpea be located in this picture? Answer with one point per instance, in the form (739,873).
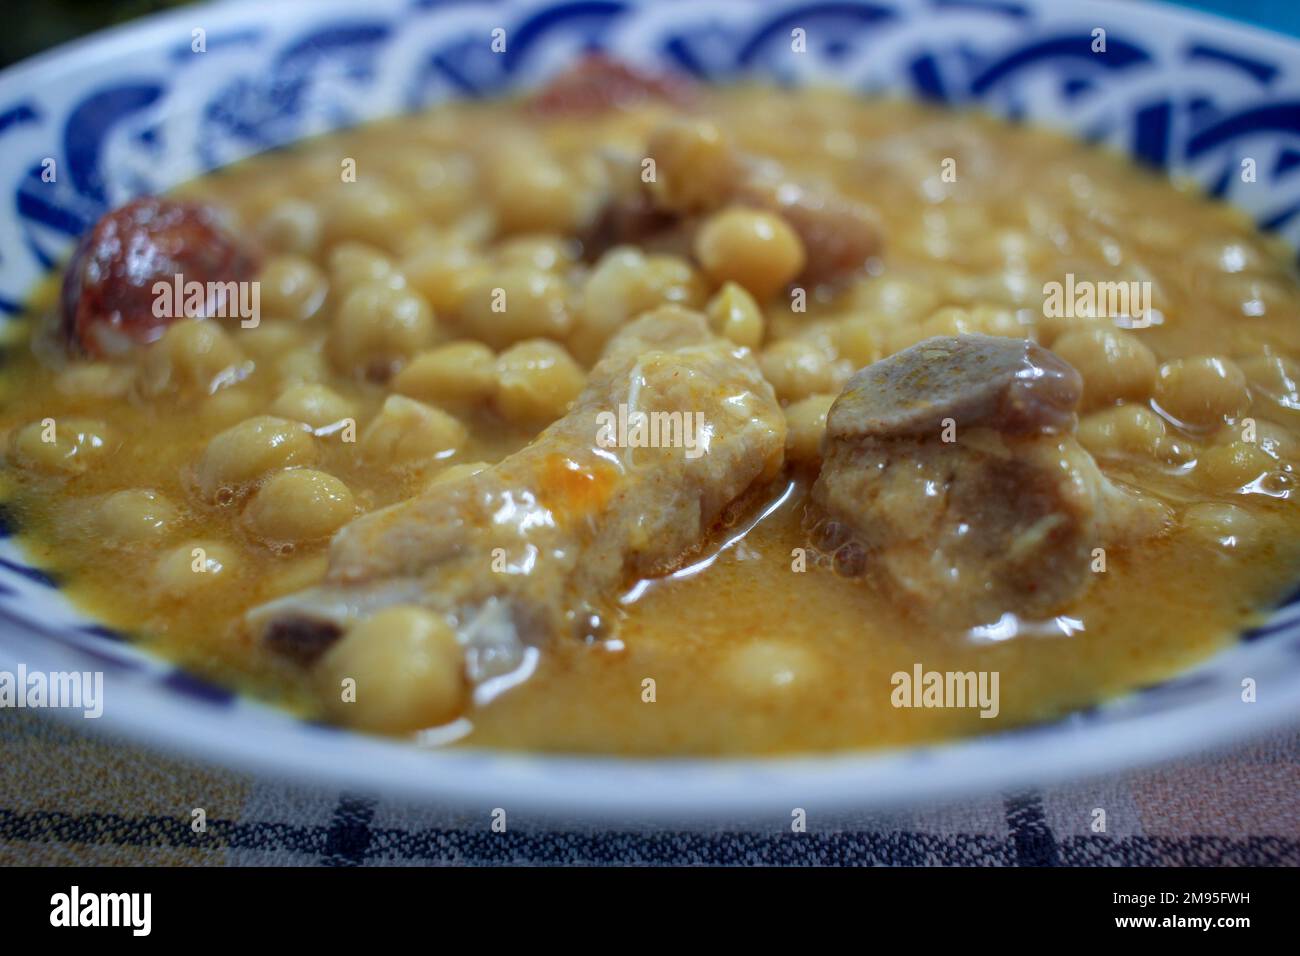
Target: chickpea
(537,381)
(1158,234)
(296,573)
(805,423)
(612,281)
(94,381)
(668,280)
(63,446)
(291,226)
(298,505)
(1123,430)
(304,365)
(1175,451)
(756,249)
(798,369)
(1203,391)
(695,165)
(1114,365)
(770,669)
(981,320)
(186,571)
(532,193)
(316,405)
(228,406)
(1251,296)
(1275,379)
(511,305)
(135,516)
(272,339)
(1276,441)
(1051,328)
(856,339)
(1232,466)
(421,238)
(354,263)
(734,315)
(407,432)
(292,287)
(377,327)
(993,320)
(1231,256)
(367,213)
(623,284)
(896,300)
(462,373)
(1223,526)
(445,276)
(192,355)
(546,253)
(475,229)
(443,188)
(408,669)
(245,452)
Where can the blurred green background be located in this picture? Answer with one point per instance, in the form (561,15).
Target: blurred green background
(33,25)
(30,26)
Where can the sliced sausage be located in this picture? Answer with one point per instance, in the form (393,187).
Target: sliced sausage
(107,301)
(599,82)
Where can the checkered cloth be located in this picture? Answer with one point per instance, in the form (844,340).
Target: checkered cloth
(69,797)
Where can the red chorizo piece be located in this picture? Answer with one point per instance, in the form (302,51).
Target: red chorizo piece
(107,300)
(599,82)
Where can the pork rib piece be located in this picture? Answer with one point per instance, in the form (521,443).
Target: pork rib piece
(1004,516)
(535,546)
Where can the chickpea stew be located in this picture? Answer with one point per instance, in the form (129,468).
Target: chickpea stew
(640,418)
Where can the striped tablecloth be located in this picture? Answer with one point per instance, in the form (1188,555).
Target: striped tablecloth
(70,797)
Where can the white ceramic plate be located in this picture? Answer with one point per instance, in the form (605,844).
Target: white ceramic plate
(136,110)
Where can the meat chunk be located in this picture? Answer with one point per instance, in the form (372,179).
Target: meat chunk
(107,300)
(699,172)
(839,236)
(1012,385)
(952,473)
(536,546)
(630,218)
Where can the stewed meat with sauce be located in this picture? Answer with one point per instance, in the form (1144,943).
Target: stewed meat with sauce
(540,543)
(951,470)
(390,502)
